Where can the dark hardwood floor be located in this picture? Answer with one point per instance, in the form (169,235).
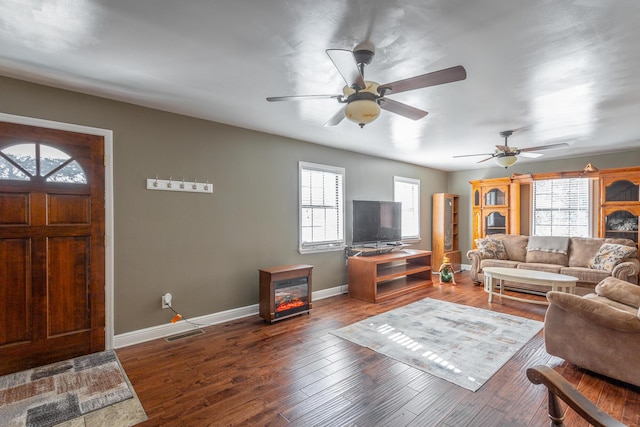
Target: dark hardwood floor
(294,372)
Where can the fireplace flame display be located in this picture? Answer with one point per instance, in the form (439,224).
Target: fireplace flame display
(288,304)
(291,297)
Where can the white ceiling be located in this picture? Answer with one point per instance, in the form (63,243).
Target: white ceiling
(562,71)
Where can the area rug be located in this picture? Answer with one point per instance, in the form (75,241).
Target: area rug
(62,391)
(463,345)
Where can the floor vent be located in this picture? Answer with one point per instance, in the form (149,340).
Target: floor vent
(185,335)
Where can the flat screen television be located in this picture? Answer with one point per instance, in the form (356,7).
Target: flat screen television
(376,222)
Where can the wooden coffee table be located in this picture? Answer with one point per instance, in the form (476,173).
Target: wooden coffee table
(555,282)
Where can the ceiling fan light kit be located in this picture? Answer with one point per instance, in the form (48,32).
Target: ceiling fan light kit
(362,111)
(366,99)
(362,106)
(506,160)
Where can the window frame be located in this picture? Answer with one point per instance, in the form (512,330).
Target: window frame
(43,172)
(589,202)
(326,245)
(416,183)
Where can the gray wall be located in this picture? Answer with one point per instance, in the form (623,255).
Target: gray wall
(458,182)
(206,249)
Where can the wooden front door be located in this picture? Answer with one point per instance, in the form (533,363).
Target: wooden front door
(52,255)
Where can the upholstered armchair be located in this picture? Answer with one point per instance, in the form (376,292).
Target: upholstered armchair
(599,331)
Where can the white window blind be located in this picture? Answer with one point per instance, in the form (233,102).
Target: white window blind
(407,191)
(321,208)
(561,207)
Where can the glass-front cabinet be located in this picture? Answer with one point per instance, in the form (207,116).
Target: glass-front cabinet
(496,196)
(621,224)
(495,222)
(620,203)
(495,207)
(444,230)
(620,190)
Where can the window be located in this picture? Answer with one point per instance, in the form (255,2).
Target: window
(561,207)
(407,191)
(321,208)
(27,162)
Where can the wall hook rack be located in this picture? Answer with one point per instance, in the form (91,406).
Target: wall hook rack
(179,185)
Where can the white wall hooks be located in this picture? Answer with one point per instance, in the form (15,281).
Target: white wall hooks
(179,185)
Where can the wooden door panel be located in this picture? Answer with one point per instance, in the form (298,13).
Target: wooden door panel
(14,209)
(15,266)
(68,209)
(68,285)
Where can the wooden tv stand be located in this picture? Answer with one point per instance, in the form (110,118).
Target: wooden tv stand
(381,277)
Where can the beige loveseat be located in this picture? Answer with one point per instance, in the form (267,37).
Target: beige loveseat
(599,332)
(575,262)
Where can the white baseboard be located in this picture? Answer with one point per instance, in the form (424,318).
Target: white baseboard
(161,331)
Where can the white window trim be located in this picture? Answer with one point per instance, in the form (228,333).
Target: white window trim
(416,182)
(338,245)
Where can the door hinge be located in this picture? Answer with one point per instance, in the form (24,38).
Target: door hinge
(105,161)
(105,240)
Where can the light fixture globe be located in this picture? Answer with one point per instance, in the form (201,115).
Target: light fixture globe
(362,105)
(506,159)
(362,111)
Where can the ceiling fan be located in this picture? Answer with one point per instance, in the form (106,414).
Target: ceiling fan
(506,156)
(364,99)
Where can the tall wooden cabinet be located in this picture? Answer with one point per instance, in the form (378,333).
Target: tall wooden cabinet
(620,203)
(444,230)
(495,207)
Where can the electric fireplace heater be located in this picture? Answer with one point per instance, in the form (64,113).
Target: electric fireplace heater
(285,291)
(291,296)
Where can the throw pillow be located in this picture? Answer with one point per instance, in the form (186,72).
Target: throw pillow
(610,254)
(491,248)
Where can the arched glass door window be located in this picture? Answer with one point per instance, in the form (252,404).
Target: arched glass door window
(31,161)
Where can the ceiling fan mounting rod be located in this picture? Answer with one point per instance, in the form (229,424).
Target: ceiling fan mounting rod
(506,134)
(363,54)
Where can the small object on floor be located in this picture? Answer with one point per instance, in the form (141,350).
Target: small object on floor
(446,271)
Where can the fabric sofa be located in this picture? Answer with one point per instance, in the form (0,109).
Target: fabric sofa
(599,332)
(584,258)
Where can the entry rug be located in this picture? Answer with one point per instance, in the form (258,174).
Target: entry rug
(62,391)
(463,345)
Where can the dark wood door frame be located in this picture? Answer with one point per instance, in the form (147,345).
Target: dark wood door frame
(109,216)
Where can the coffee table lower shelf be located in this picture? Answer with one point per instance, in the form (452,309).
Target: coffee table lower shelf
(552,281)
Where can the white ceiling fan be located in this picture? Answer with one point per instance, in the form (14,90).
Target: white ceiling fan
(507,156)
(364,99)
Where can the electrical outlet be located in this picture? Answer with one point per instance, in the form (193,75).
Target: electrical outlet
(166,300)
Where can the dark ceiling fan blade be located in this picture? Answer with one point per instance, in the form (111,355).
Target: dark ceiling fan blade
(402,109)
(472,155)
(544,147)
(506,148)
(448,75)
(336,118)
(346,64)
(301,97)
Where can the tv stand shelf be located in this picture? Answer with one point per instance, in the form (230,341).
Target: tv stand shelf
(381,277)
